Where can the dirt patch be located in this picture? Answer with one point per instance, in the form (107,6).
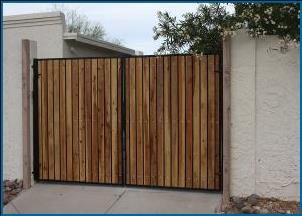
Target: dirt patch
(255,204)
(11,189)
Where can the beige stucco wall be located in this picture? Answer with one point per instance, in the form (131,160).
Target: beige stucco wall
(265,118)
(46,31)
(78,49)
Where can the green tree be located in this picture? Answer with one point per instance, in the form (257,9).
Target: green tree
(203,31)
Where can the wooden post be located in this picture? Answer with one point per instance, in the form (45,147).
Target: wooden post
(28,53)
(226,119)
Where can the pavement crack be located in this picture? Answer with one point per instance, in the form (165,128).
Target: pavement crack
(15,208)
(113,204)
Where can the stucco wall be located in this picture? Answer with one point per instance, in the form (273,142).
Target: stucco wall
(265,118)
(46,31)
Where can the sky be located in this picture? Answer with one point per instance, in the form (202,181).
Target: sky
(131,22)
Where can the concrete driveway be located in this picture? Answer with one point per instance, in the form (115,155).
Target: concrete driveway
(63,198)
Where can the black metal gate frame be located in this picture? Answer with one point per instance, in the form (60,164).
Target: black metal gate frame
(123,137)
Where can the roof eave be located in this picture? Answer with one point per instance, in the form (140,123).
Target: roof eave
(98,43)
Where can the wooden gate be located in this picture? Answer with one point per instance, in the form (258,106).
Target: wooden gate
(172,121)
(79,104)
(167,107)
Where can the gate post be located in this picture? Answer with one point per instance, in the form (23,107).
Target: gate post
(28,53)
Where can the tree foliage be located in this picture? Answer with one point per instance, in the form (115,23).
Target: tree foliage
(79,23)
(76,22)
(203,31)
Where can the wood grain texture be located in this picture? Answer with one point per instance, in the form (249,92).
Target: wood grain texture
(174,120)
(69,120)
(196,123)
(132,110)
(101,119)
(63,119)
(119,120)
(182,120)
(167,120)
(153,134)
(75,120)
(51,156)
(203,122)
(211,123)
(139,118)
(82,137)
(189,121)
(108,140)
(114,138)
(94,115)
(160,121)
(146,117)
(88,119)
(56,107)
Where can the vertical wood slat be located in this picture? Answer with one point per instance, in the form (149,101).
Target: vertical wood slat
(82,137)
(51,171)
(146,117)
(203,122)
(94,132)
(182,120)
(167,120)
(69,121)
(119,121)
(196,123)
(174,120)
(75,119)
(88,119)
(114,138)
(132,110)
(101,118)
(189,121)
(211,123)
(139,118)
(63,119)
(108,140)
(160,121)
(56,117)
(153,135)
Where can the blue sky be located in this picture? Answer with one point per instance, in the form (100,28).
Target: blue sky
(130,22)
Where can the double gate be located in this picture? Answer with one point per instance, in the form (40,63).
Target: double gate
(143,120)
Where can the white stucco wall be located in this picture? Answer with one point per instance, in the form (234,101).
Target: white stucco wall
(46,31)
(265,118)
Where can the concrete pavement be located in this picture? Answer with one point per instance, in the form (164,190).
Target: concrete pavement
(63,198)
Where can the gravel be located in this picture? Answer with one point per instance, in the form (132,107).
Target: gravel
(11,189)
(254,204)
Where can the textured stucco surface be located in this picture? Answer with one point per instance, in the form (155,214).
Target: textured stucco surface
(46,36)
(265,118)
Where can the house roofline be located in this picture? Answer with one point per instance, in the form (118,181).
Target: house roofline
(98,43)
(28,20)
